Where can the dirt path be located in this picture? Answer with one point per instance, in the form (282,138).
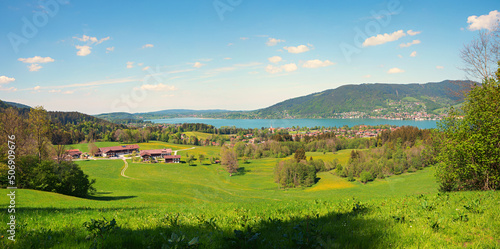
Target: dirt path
(125,168)
(175,151)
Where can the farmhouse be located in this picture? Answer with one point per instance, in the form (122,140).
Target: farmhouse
(117,150)
(74,154)
(158,153)
(172,159)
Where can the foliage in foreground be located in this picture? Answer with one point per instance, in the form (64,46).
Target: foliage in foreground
(463,219)
(470,154)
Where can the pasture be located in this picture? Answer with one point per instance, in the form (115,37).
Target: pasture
(215,210)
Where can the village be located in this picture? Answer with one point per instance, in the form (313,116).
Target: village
(120,152)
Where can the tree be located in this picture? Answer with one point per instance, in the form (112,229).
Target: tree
(470,147)
(229,160)
(481,54)
(201,157)
(40,126)
(300,154)
(93,149)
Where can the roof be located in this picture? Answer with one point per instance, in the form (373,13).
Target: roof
(172,156)
(119,148)
(156,152)
(74,152)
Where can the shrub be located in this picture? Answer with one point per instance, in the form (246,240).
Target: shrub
(366,177)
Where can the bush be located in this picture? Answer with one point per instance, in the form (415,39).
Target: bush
(366,177)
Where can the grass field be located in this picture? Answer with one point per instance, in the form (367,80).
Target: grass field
(203,201)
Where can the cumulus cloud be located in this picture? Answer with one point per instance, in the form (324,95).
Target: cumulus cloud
(158,87)
(198,64)
(110,49)
(130,64)
(317,63)
(289,67)
(36,59)
(405,45)
(83,50)
(439,67)
(148,46)
(5,80)
(273,69)
(412,33)
(484,22)
(36,88)
(34,67)
(381,39)
(297,50)
(91,40)
(413,54)
(273,41)
(395,70)
(276,69)
(274,59)
(146,68)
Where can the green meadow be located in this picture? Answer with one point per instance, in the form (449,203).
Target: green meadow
(169,205)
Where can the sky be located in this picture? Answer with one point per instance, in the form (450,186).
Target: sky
(112,56)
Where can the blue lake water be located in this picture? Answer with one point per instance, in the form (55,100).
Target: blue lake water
(259,123)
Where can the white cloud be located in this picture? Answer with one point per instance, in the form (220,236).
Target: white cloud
(274,59)
(83,50)
(439,67)
(146,68)
(93,40)
(273,41)
(227,58)
(6,80)
(367,76)
(34,67)
(110,49)
(140,64)
(317,63)
(230,44)
(484,22)
(130,64)
(36,88)
(297,50)
(289,67)
(405,45)
(412,33)
(395,70)
(244,38)
(400,56)
(198,64)
(413,54)
(55,91)
(249,64)
(148,46)
(36,59)
(68,92)
(381,39)
(253,72)
(273,69)
(158,87)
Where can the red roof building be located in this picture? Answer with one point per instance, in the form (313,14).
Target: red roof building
(172,159)
(147,154)
(75,153)
(117,150)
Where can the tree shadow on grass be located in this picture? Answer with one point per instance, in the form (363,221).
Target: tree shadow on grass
(110,198)
(351,227)
(242,171)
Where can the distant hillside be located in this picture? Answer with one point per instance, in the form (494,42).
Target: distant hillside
(17,105)
(367,98)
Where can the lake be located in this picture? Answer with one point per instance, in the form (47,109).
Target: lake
(259,123)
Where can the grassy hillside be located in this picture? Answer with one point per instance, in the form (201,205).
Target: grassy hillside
(204,201)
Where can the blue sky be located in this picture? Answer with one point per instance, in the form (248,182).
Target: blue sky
(106,56)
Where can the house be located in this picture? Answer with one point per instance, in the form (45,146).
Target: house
(117,150)
(172,158)
(74,154)
(158,153)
